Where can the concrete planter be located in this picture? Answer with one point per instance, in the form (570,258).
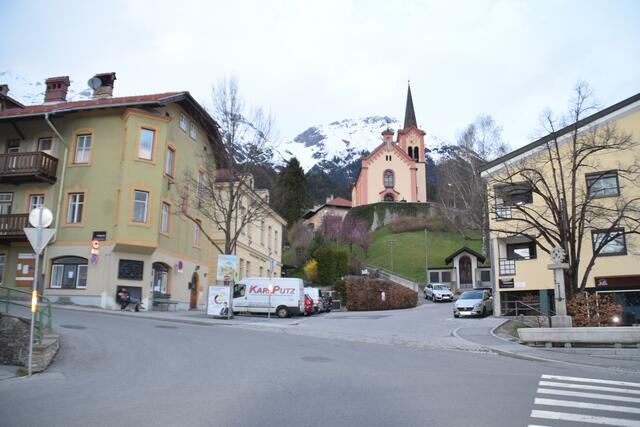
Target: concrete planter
(604,335)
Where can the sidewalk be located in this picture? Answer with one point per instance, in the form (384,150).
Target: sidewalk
(627,359)
(193,317)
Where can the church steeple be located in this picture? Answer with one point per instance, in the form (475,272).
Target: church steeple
(409,112)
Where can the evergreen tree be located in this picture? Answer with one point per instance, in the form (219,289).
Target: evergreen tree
(291,190)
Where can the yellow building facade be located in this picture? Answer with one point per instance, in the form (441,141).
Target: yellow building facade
(604,183)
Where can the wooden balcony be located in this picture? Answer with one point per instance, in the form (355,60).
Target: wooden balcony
(12,227)
(17,168)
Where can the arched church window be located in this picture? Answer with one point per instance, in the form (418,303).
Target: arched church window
(388,197)
(388,179)
(411,152)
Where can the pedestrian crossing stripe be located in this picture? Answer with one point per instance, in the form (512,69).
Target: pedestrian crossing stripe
(619,400)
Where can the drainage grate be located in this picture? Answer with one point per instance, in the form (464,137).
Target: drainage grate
(317,359)
(73,327)
(166,327)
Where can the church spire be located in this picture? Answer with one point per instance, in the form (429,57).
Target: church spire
(409,112)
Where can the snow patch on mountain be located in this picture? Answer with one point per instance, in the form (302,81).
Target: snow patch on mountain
(338,143)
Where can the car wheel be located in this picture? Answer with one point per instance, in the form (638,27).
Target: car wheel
(282,312)
(456,316)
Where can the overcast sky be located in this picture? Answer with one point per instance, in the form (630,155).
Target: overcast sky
(313,62)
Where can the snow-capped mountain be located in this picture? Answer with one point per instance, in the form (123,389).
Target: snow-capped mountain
(339,143)
(31,91)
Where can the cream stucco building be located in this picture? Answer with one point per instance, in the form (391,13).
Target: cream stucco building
(395,170)
(602,183)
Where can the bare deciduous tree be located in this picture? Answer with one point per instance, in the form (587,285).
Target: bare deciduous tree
(460,185)
(572,190)
(223,190)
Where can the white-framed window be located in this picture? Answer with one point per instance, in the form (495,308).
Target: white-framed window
(75,208)
(140,206)
(196,233)
(45,144)
(603,184)
(169,161)
(13,146)
(145,147)
(6,200)
(262,232)
(183,122)
(269,239)
(83,149)
(193,131)
(165,218)
(69,273)
(36,201)
(616,244)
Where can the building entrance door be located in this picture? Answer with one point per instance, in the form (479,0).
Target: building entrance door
(466,276)
(195,285)
(25,269)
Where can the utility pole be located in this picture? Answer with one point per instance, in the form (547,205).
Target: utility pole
(426,259)
(391,244)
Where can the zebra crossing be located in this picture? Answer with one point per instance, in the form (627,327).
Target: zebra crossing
(565,401)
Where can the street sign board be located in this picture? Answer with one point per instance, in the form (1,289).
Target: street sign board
(40,216)
(32,235)
(227,268)
(99,235)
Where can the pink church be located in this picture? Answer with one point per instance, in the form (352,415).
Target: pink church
(395,170)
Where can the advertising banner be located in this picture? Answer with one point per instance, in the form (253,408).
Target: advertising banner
(218,301)
(227,268)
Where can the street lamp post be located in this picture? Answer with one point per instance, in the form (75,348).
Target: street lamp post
(391,244)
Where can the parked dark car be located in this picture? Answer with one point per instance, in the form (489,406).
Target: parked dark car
(328,302)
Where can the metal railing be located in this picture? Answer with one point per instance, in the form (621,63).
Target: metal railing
(22,298)
(507,266)
(383,274)
(519,308)
(25,166)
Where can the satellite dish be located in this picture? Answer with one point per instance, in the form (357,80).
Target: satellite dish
(94,83)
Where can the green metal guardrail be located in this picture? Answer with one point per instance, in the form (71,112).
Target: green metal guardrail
(16,297)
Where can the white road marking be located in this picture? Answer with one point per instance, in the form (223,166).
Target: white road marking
(588,395)
(589,387)
(564,416)
(586,405)
(535,425)
(591,380)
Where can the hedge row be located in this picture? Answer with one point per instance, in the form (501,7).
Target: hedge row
(365,294)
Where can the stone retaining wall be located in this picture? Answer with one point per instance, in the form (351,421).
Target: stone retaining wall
(14,344)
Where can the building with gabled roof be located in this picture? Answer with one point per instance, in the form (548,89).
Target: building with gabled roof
(395,170)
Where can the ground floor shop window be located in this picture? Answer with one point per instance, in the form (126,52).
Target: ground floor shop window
(160,277)
(69,273)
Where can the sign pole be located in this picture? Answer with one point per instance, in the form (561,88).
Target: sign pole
(34,292)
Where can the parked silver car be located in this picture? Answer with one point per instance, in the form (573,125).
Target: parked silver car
(473,303)
(437,292)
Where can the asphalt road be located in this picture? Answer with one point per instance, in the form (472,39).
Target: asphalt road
(121,371)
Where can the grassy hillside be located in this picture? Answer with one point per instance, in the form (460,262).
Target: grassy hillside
(408,250)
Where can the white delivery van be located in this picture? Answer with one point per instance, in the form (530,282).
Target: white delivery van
(316,297)
(251,295)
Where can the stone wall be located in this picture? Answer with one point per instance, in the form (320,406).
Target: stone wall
(14,344)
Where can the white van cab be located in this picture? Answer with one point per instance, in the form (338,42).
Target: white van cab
(251,295)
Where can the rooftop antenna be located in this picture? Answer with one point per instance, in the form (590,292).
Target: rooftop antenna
(94,83)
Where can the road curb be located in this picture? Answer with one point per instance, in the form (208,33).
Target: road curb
(143,315)
(515,355)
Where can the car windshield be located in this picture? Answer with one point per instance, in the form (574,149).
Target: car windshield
(471,295)
(440,288)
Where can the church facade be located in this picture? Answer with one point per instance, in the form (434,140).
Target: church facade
(395,169)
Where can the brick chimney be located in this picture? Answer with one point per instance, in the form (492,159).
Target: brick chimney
(4,89)
(56,89)
(106,87)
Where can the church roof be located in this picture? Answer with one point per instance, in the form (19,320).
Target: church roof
(409,112)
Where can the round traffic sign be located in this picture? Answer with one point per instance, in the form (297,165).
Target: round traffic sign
(40,217)
(95,244)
